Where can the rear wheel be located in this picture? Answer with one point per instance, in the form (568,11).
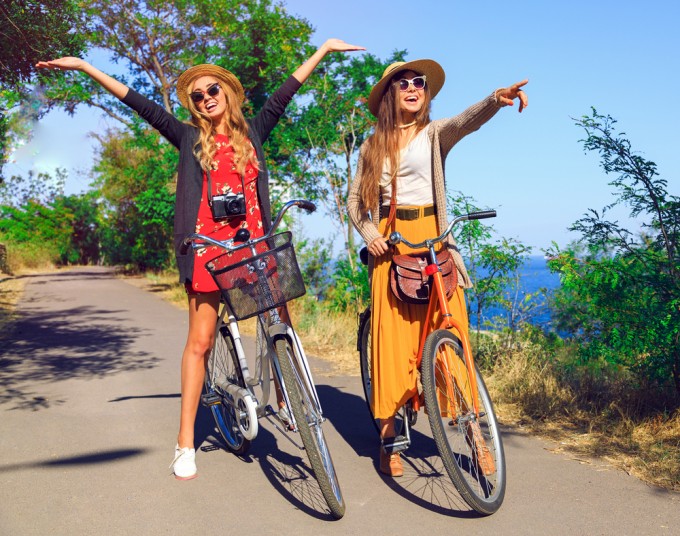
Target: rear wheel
(469,444)
(220,373)
(308,420)
(364,346)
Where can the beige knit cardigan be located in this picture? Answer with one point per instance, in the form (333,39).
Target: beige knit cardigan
(444,134)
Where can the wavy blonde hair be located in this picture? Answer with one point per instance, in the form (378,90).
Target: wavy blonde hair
(383,144)
(237,129)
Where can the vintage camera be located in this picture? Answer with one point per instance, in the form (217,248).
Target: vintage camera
(228,206)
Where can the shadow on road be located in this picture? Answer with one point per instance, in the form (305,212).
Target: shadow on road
(77,343)
(425,481)
(81,459)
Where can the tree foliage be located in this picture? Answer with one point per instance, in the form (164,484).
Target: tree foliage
(30,31)
(493,265)
(620,294)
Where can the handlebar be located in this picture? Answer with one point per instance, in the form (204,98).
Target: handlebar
(228,245)
(396,238)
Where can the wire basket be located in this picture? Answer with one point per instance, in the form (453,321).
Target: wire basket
(262,282)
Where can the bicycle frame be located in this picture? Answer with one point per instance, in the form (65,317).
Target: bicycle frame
(273,328)
(439,301)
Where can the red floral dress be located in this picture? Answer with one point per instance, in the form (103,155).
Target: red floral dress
(225,179)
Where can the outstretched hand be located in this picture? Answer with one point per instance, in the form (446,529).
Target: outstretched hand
(507,95)
(67,63)
(338,45)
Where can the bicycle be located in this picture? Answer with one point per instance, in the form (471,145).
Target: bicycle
(260,284)
(456,400)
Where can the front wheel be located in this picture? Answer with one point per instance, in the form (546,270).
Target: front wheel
(308,419)
(469,442)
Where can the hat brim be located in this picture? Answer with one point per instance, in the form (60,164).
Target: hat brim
(206,69)
(430,68)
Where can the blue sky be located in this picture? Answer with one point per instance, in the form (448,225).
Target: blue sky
(623,58)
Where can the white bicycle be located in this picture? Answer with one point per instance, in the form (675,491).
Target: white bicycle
(237,386)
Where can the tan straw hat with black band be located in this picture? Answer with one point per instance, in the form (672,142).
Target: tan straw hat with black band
(430,68)
(206,69)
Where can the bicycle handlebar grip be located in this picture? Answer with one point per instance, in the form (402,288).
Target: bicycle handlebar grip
(481,215)
(183,248)
(307,205)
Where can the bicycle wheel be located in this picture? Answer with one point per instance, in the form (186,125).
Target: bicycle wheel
(309,420)
(364,346)
(470,445)
(220,372)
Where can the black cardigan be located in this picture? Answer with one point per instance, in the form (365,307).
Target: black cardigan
(189,172)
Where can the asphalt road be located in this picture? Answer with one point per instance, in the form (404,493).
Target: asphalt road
(89,407)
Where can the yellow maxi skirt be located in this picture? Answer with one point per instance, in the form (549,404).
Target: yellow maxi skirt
(396,326)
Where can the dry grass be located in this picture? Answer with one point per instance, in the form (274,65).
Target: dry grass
(529,394)
(11,290)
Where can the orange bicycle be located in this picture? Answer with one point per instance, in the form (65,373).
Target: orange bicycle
(457,402)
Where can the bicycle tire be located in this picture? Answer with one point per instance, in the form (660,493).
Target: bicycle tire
(453,427)
(364,346)
(222,366)
(309,425)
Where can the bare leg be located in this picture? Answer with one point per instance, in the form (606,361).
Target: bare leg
(387,428)
(202,319)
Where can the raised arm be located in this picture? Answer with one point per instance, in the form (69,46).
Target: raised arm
(332,45)
(157,116)
(113,86)
(273,109)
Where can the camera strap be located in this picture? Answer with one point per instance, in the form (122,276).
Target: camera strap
(210,196)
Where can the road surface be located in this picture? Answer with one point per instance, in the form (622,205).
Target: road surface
(89,408)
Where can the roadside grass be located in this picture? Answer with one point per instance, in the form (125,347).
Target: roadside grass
(588,417)
(11,290)
(592,421)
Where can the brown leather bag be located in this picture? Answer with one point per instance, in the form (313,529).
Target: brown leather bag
(408,280)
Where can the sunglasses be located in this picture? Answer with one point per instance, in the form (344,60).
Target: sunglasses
(418,82)
(198,96)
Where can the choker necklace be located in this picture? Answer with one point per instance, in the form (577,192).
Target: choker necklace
(407,124)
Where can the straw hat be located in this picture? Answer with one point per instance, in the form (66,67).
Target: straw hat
(206,69)
(430,68)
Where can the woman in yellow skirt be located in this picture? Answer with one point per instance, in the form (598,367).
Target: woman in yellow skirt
(404,159)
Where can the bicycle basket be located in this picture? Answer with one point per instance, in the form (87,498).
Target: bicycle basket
(261,282)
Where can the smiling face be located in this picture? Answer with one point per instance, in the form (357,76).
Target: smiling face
(411,100)
(214,106)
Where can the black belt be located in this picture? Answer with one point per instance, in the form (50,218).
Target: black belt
(408,213)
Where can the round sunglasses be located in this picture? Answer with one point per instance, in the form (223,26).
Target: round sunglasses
(198,96)
(418,82)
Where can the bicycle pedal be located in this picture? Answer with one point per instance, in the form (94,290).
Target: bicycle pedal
(208,448)
(396,444)
(211,399)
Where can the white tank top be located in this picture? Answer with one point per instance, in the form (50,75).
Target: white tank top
(414,178)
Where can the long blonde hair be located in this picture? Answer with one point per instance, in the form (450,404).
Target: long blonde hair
(383,144)
(237,129)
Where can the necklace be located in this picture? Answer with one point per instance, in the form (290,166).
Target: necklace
(407,124)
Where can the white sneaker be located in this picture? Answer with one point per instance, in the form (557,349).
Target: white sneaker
(184,464)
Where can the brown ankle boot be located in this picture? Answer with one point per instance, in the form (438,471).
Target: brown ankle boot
(390,464)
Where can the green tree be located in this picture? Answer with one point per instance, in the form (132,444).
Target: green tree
(30,30)
(620,295)
(493,266)
(331,128)
(156,41)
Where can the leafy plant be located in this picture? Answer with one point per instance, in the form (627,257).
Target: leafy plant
(620,295)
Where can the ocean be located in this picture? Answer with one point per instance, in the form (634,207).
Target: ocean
(533,276)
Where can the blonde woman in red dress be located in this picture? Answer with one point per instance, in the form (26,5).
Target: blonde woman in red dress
(219,140)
